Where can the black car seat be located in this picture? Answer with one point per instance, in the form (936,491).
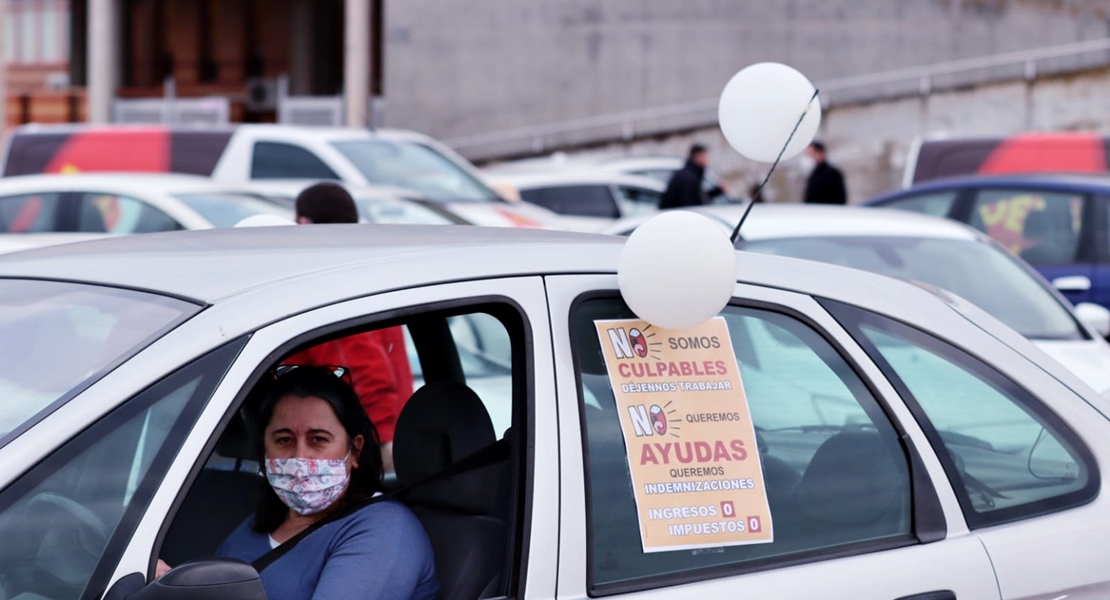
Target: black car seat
(220,499)
(855,488)
(441,424)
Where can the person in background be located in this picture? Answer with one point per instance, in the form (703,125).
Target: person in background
(377,360)
(826,183)
(686,185)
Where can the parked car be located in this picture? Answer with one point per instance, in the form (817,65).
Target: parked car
(1052,152)
(379,205)
(123,203)
(908,443)
(1057,223)
(660,168)
(587,200)
(939,253)
(244,153)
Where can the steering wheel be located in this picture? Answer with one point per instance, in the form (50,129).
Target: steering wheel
(72,542)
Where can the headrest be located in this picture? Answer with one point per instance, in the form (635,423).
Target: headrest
(1044,224)
(852,479)
(441,424)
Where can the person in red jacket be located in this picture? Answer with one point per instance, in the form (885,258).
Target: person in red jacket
(377,361)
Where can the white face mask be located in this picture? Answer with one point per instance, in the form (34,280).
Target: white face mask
(307,485)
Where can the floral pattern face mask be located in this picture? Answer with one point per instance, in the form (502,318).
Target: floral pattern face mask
(307,485)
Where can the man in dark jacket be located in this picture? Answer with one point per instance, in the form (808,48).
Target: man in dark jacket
(685,187)
(826,182)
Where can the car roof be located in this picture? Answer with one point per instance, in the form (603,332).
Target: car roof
(138,184)
(1080,182)
(776,221)
(214,264)
(569,177)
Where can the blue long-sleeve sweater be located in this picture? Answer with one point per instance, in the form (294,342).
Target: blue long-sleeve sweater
(378,553)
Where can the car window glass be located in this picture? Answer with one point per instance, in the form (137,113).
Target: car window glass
(111,213)
(227,209)
(936,204)
(29,213)
(638,201)
(575,200)
(74,332)
(1040,227)
(485,352)
(1010,458)
(401,212)
(833,469)
(416,167)
(275,160)
(58,518)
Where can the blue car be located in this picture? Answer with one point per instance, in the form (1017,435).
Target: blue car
(1056,223)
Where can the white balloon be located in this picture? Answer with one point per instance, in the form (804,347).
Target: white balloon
(677,270)
(759,108)
(264,220)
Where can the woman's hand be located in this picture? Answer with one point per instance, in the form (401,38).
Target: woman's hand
(161,569)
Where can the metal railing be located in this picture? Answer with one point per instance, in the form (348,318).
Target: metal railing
(922,80)
(171,110)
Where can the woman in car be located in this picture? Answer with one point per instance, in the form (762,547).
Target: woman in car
(321,459)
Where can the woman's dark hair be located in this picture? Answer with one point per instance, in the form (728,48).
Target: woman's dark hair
(322,383)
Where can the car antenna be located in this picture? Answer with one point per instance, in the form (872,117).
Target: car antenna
(759,190)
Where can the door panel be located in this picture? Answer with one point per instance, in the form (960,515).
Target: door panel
(957,563)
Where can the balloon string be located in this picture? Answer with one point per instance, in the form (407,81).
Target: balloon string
(759,190)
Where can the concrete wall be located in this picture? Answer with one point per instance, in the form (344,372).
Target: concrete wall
(484,65)
(870,142)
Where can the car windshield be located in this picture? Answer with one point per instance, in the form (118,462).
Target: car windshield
(376,210)
(227,209)
(57,338)
(980,273)
(416,167)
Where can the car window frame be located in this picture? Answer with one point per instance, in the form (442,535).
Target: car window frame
(852,318)
(928,521)
(1086,249)
(519,531)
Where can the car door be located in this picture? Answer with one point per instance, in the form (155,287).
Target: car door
(828,426)
(177,512)
(1051,230)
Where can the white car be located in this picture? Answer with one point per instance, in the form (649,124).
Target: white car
(936,252)
(378,205)
(908,443)
(254,152)
(123,203)
(586,199)
(659,168)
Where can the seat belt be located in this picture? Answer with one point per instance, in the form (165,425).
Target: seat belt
(488,456)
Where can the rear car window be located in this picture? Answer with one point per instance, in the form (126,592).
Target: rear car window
(30,213)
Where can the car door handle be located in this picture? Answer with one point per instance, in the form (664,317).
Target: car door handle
(1072,283)
(937,595)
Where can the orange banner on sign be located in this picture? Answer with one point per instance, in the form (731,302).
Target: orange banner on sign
(688,434)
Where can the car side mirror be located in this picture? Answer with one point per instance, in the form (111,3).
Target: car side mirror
(205,579)
(1094,316)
